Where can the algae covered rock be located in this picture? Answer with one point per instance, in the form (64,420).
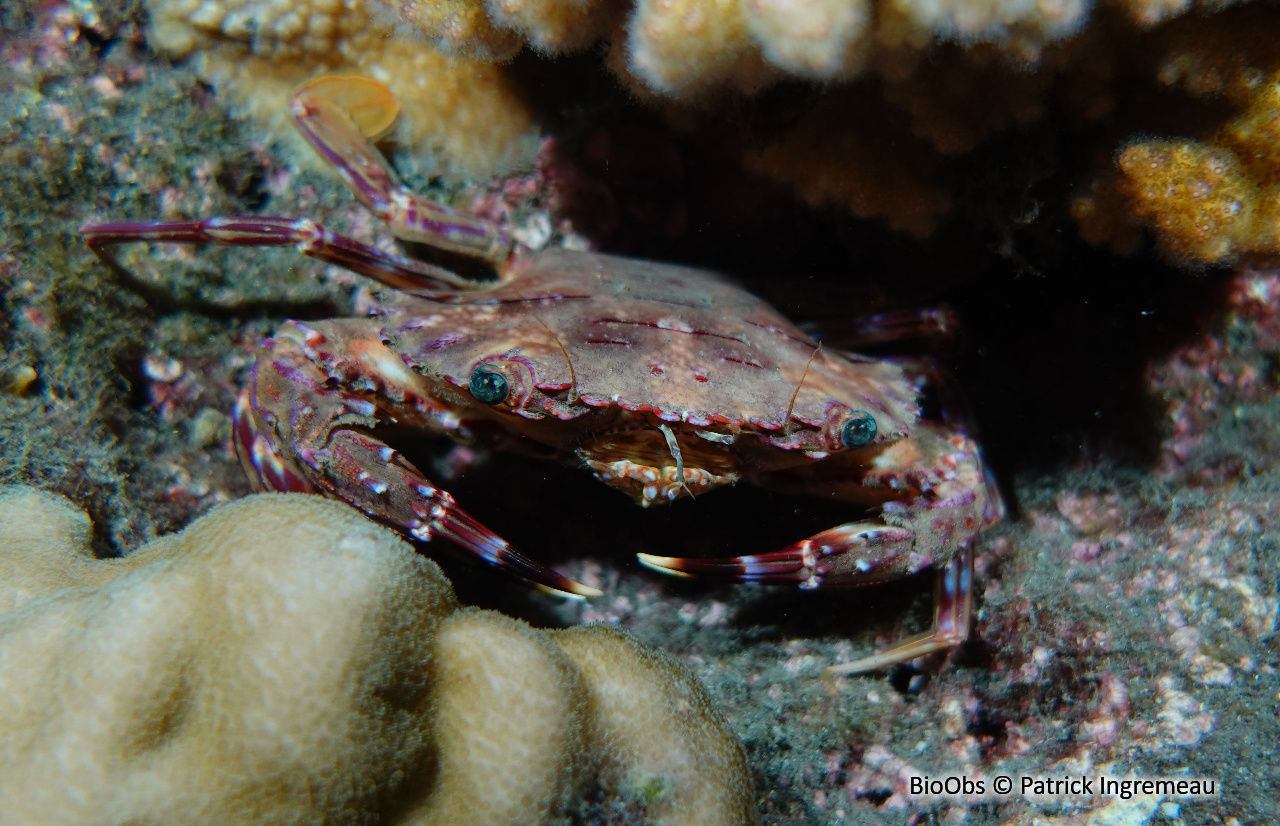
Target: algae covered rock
(285,660)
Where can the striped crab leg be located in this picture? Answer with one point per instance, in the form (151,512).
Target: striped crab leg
(936,525)
(339,116)
(814,567)
(310,238)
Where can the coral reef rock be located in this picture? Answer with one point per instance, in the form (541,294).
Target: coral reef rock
(285,660)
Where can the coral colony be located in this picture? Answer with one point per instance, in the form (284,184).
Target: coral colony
(948,77)
(284,660)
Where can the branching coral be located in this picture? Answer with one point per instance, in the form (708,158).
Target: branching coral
(840,154)
(258,51)
(922,81)
(684,49)
(1212,200)
(284,660)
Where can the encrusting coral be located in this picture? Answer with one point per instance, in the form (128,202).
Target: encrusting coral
(284,660)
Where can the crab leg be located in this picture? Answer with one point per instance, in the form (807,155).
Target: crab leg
(952,612)
(938,325)
(311,239)
(340,141)
(861,553)
(330,432)
(934,525)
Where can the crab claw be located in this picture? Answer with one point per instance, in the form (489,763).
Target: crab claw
(860,553)
(468,534)
(355,466)
(855,554)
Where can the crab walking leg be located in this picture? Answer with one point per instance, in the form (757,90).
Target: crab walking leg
(860,553)
(329,430)
(938,325)
(310,238)
(338,140)
(944,504)
(952,614)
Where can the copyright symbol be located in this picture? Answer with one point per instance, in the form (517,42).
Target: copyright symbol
(1003,784)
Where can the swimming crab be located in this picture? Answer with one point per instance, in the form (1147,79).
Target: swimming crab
(663,381)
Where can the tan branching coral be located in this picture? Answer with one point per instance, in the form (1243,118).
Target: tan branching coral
(1203,206)
(818,39)
(684,48)
(284,660)
(680,49)
(1021,27)
(921,81)
(841,154)
(1215,199)
(464,112)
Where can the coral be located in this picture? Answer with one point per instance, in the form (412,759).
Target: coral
(556,26)
(1203,206)
(675,748)
(819,39)
(1215,198)
(839,154)
(1022,28)
(960,97)
(284,660)
(258,51)
(496,29)
(685,49)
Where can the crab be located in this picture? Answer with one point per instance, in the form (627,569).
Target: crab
(663,381)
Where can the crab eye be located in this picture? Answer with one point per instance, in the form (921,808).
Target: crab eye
(488,385)
(859,430)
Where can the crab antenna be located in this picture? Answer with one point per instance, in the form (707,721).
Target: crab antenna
(573,378)
(674,447)
(786,421)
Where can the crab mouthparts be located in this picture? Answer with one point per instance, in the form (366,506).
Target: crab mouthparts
(655,466)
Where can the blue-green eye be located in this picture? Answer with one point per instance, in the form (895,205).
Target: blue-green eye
(489,386)
(859,430)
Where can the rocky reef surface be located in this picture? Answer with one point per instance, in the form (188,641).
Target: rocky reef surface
(1125,393)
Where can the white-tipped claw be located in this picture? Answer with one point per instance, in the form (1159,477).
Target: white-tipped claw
(663,565)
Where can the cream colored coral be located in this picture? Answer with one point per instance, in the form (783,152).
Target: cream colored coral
(512,707)
(556,26)
(686,48)
(461,26)
(257,52)
(819,39)
(668,748)
(284,660)
(1022,27)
